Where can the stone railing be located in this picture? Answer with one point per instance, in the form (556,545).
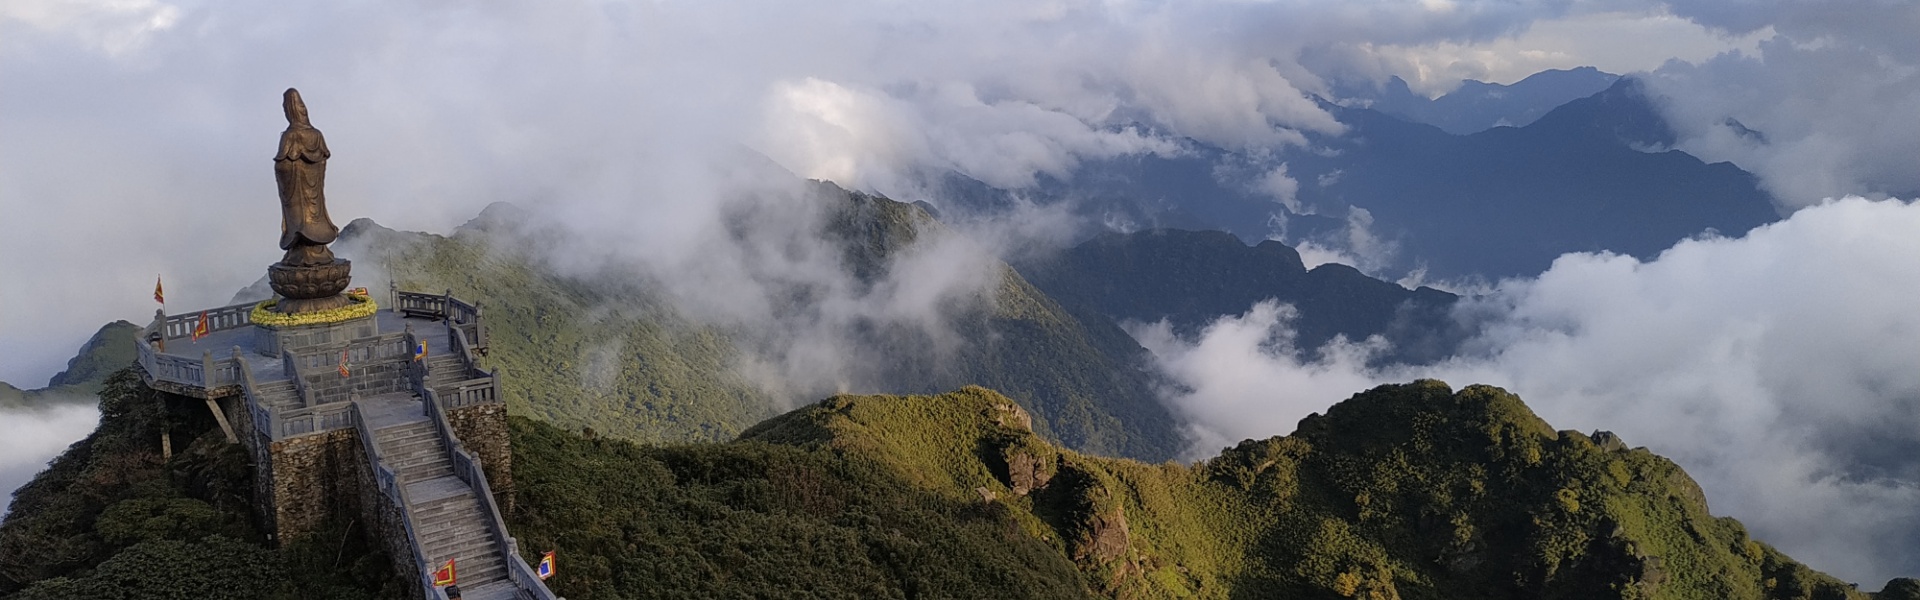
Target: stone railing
(312,419)
(167,367)
(205,373)
(473,392)
(363,352)
(256,406)
(462,318)
(292,368)
(467,467)
(374,365)
(219,319)
(416,304)
(394,492)
(415,370)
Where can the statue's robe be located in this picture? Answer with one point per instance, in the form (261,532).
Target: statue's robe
(301,170)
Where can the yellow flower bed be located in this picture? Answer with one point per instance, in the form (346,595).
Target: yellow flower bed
(361,306)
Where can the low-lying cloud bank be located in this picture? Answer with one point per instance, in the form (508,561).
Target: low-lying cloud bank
(1781,369)
(30,438)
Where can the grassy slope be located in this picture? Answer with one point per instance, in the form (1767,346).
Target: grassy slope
(1411,491)
(611,355)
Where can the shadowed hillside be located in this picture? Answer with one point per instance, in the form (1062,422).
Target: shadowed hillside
(1191,278)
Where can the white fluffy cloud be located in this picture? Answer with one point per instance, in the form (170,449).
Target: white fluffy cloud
(30,438)
(1778,368)
(1832,92)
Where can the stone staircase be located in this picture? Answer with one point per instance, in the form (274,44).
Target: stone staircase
(447,516)
(444,370)
(278,395)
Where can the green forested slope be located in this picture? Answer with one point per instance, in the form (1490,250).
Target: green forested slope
(112,518)
(1409,491)
(608,352)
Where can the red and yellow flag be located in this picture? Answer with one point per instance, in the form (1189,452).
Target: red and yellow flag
(159,295)
(343,365)
(444,576)
(200,329)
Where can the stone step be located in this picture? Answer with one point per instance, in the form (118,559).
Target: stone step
(423,474)
(426,443)
(474,570)
(481,576)
(403,429)
(419,460)
(430,443)
(467,526)
(458,504)
(480,553)
(500,589)
(477,547)
(436,521)
(406,433)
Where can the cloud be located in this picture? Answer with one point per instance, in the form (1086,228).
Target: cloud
(1830,91)
(31,438)
(1776,368)
(1616,39)
(152,121)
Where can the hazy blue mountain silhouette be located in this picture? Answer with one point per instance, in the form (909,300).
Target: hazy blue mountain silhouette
(1191,278)
(1590,175)
(1477,105)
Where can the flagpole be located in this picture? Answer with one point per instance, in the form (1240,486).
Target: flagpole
(159,295)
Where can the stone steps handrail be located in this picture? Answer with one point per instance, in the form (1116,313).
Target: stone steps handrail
(465,319)
(291,367)
(418,304)
(389,484)
(416,370)
(467,467)
(473,392)
(312,419)
(177,369)
(385,348)
(263,423)
(218,319)
(462,349)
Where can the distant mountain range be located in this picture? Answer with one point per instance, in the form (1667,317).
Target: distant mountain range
(1593,174)
(1191,278)
(109,350)
(1477,106)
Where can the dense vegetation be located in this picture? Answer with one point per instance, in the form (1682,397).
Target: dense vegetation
(609,352)
(1410,491)
(1190,278)
(113,518)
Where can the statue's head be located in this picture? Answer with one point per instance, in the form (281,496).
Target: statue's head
(296,109)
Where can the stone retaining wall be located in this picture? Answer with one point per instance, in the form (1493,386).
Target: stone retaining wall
(482,429)
(314,477)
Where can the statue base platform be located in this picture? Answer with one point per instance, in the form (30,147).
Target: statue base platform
(295,306)
(310,288)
